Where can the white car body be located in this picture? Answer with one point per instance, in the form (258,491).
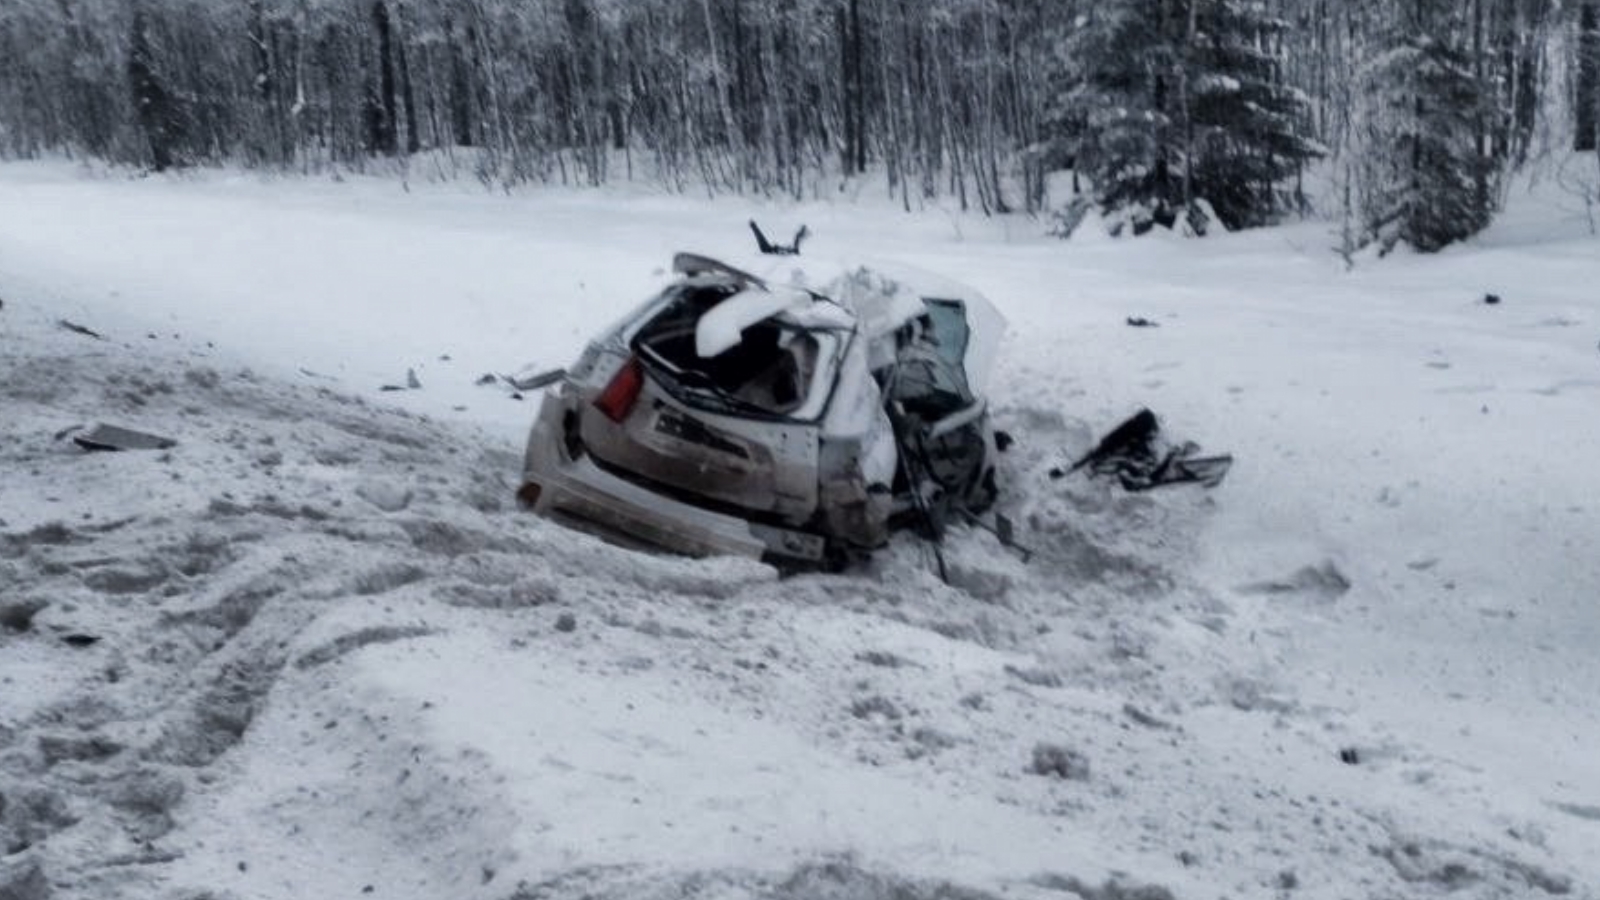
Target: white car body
(772,415)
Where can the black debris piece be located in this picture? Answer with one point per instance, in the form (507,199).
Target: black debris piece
(390,387)
(115,437)
(1491,299)
(78,639)
(770,249)
(1003,440)
(1005,530)
(535,381)
(412,381)
(75,328)
(486,379)
(1142,322)
(1138,431)
(1350,756)
(1140,460)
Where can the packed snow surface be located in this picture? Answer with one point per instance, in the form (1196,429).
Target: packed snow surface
(314,650)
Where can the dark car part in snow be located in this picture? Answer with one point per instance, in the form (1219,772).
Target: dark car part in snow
(1139,430)
(75,328)
(768,248)
(115,437)
(531,382)
(1136,455)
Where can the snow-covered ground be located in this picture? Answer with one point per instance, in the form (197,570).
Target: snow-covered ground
(314,651)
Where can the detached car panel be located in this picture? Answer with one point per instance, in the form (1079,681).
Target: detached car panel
(798,421)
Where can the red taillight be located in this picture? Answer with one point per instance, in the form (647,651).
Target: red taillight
(528,494)
(616,401)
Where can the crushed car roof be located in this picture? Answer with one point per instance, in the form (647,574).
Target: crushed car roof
(881,296)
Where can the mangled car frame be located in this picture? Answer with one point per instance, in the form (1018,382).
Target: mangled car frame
(792,416)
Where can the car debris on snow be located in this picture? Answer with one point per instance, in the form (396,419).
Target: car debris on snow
(412,384)
(116,437)
(532,379)
(528,378)
(75,328)
(1135,454)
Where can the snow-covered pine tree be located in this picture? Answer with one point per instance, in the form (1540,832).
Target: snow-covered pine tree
(1181,101)
(1122,109)
(1248,131)
(1425,178)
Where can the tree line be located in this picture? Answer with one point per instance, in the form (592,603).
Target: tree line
(1169,113)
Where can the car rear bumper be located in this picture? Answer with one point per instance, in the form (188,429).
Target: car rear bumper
(579,491)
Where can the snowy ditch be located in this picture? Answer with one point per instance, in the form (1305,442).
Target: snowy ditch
(313,649)
(314,636)
(175,608)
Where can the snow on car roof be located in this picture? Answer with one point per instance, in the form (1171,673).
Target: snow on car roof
(882,296)
(723,326)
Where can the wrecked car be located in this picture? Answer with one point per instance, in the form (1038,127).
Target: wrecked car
(798,415)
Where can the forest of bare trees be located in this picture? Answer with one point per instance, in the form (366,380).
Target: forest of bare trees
(1184,113)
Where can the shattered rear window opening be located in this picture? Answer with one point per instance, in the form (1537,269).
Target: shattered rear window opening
(777,369)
